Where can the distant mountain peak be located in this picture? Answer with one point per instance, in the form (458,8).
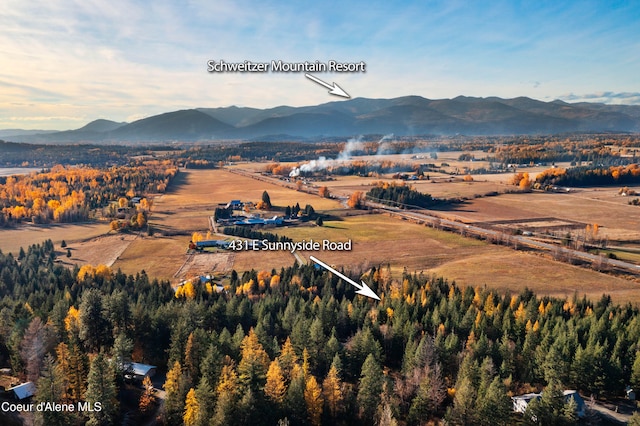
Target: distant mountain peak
(101,125)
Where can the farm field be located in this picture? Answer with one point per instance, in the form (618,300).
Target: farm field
(615,217)
(12,239)
(516,270)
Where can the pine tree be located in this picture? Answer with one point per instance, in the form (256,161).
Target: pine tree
(635,372)
(211,364)
(495,407)
(386,418)
(62,358)
(314,401)
(191,409)
(101,389)
(550,409)
(51,388)
(275,388)
(463,410)
(370,388)
(206,401)
(195,351)
(94,327)
(78,368)
(294,401)
(121,351)
(287,359)
(227,391)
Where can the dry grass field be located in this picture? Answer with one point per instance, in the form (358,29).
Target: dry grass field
(104,249)
(516,270)
(160,256)
(379,239)
(12,239)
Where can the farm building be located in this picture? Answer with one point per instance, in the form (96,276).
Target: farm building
(235,205)
(23,391)
(260,221)
(201,245)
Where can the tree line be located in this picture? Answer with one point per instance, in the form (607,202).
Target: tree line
(589,176)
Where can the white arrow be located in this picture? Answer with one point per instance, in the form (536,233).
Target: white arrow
(335,89)
(363,290)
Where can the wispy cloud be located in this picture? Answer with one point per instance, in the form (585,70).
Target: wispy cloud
(121,59)
(630,98)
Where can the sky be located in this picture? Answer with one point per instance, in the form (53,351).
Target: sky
(64,63)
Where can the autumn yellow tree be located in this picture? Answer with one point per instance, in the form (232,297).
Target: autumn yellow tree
(275,388)
(147,398)
(173,399)
(254,362)
(356,200)
(324,192)
(332,391)
(191,409)
(314,401)
(287,359)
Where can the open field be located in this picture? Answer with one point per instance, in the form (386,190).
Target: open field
(12,239)
(159,256)
(104,249)
(517,270)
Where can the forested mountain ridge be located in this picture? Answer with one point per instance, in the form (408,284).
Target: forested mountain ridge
(299,344)
(403,116)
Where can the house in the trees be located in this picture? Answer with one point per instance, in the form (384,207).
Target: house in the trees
(521,402)
(137,371)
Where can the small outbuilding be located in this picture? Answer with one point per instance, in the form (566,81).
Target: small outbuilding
(23,391)
(521,402)
(580,405)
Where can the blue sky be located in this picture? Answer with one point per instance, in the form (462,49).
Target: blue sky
(64,63)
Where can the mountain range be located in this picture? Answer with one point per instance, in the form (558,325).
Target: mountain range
(404,116)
